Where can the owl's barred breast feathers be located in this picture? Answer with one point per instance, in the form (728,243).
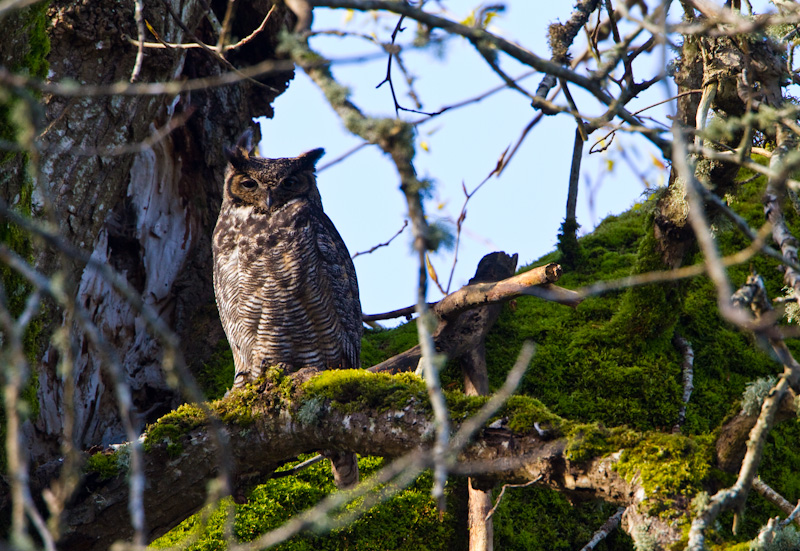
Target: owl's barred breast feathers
(285,285)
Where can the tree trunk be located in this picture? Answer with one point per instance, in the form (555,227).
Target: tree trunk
(493,267)
(148,213)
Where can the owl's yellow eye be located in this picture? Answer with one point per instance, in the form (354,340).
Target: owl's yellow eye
(290,182)
(248,184)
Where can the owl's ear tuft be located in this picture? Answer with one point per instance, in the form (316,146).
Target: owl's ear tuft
(309,159)
(241,151)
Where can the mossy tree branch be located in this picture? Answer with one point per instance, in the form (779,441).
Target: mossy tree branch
(360,412)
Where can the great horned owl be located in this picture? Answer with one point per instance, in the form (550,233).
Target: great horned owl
(286,288)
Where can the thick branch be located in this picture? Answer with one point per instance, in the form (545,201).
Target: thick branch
(177,485)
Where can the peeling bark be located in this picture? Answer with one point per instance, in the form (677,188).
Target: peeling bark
(148,214)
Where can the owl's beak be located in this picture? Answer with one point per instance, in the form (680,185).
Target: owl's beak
(270,200)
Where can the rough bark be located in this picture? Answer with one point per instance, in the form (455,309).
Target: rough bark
(671,219)
(148,214)
(744,73)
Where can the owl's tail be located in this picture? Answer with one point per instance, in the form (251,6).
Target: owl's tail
(344,466)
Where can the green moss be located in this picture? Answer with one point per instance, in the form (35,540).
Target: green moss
(647,314)
(170,429)
(670,466)
(215,376)
(381,344)
(409,520)
(28,28)
(587,441)
(352,390)
(106,465)
(239,407)
(540,519)
(524,412)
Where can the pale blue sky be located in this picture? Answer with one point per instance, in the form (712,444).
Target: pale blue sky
(519,212)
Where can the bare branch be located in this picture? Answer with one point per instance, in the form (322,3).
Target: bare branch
(687,368)
(609,526)
(775,498)
(517,52)
(385,243)
(503,491)
(137,15)
(487,293)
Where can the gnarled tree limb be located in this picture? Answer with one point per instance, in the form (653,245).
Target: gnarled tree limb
(177,483)
(453,339)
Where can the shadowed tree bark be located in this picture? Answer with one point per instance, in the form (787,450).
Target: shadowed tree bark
(147,213)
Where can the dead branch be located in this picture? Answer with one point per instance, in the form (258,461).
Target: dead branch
(488,293)
(687,367)
(775,498)
(609,526)
(454,340)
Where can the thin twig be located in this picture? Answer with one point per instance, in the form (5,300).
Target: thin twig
(388,78)
(385,243)
(299,467)
(498,168)
(139,18)
(642,110)
(217,52)
(503,491)
(776,499)
(617,38)
(226,25)
(406,312)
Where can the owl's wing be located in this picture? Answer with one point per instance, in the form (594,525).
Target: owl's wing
(341,274)
(228,280)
